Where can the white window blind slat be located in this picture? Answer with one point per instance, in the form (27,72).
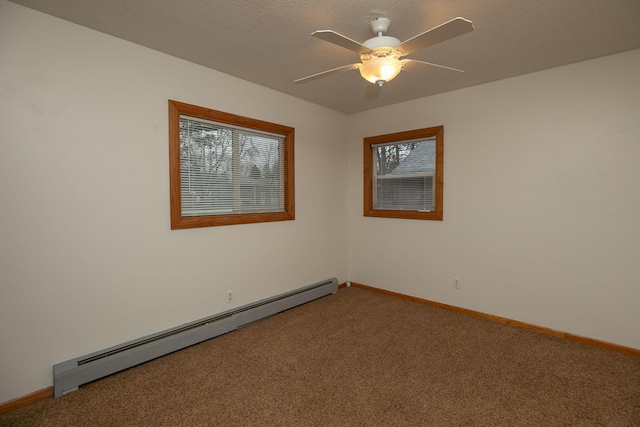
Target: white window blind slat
(229,170)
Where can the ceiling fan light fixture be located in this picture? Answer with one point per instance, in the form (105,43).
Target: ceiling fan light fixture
(379,70)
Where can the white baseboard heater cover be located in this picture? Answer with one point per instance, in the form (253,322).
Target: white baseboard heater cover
(69,375)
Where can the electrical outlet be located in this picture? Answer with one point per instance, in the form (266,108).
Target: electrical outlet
(456,283)
(229,296)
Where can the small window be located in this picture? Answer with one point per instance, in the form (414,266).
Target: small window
(403,174)
(227,169)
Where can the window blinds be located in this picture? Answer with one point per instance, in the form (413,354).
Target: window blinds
(403,176)
(226,169)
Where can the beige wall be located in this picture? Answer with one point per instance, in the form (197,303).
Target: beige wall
(87,257)
(541,201)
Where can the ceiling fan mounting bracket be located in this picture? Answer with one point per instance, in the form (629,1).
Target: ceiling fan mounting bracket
(380,25)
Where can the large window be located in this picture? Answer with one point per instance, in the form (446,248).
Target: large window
(226,169)
(403,174)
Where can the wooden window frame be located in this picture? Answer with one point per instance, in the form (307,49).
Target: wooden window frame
(369,142)
(176,109)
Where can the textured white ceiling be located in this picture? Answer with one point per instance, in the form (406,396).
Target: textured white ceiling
(270,43)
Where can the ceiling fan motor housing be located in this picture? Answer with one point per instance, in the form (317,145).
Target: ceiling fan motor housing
(382,41)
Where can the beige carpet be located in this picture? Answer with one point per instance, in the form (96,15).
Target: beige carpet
(360,358)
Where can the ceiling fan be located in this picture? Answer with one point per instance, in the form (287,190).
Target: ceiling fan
(380,55)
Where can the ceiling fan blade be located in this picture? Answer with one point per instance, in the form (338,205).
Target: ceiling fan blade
(405,61)
(448,30)
(340,40)
(328,73)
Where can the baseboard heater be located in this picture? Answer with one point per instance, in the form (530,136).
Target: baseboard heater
(69,375)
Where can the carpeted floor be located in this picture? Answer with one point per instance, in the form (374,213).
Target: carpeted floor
(360,358)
